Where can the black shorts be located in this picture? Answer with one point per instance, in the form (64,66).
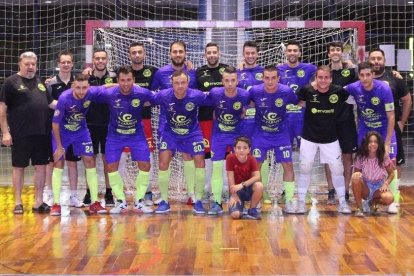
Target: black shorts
(347,135)
(34,148)
(400,146)
(98,136)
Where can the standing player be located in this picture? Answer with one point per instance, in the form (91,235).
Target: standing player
(24,107)
(228,103)
(163,80)
(97,119)
(323,101)
(342,75)
(56,85)
(181,133)
(208,77)
(400,94)
(69,128)
(271,132)
(296,75)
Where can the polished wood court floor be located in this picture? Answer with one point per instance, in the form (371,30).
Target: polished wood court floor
(320,242)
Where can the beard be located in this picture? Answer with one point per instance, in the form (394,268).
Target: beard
(178,63)
(378,69)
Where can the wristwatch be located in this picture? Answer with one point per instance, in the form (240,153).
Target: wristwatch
(244,184)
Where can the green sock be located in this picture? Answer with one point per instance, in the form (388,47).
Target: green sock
(200,174)
(189,169)
(289,189)
(217,180)
(141,184)
(56,184)
(163,177)
(394,187)
(92,179)
(117,185)
(264,173)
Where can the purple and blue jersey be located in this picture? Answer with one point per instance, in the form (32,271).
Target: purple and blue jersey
(162,78)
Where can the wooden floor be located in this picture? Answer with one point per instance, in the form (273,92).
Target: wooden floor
(321,242)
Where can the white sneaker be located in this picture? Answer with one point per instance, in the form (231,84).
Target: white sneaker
(344,208)
(141,208)
(301,207)
(365,207)
(392,208)
(148,202)
(48,199)
(120,208)
(75,202)
(290,207)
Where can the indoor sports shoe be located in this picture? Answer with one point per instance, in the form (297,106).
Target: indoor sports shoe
(366,208)
(198,207)
(252,213)
(358,212)
(290,207)
(301,207)
(158,201)
(344,208)
(216,209)
(148,199)
(87,199)
(331,197)
(75,202)
(392,208)
(191,199)
(109,199)
(163,207)
(96,208)
(55,210)
(141,208)
(120,208)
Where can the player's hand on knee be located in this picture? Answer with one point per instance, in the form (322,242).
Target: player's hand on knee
(58,154)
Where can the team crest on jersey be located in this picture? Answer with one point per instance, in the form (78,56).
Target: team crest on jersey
(87,103)
(278,102)
(300,73)
(257,153)
(108,80)
(147,73)
(221,70)
(314,110)
(258,76)
(237,105)
(333,98)
(163,146)
(135,102)
(189,106)
(21,87)
(206,84)
(375,100)
(41,87)
(345,73)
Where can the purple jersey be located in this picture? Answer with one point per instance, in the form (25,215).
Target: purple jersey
(270,115)
(70,113)
(180,114)
(162,78)
(250,76)
(124,110)
(228,111)
(372,105)
(296,77)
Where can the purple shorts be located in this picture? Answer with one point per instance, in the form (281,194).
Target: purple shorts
(192,143)
(137,145)
(279,142)
(220,142)
(81,143)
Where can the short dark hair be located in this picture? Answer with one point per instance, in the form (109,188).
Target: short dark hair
(212,44)
(293,42)
(135,44)
(334,44)
(179,42)
(81,77)
(124,70)
(365,65)
(251,43)
(242,139)
(230,70)
(65,53)
(324,68)
(271,68)
(377,50)
(178,73)
(97,50)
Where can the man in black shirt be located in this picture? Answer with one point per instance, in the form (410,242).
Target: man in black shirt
(24,107)
(400,93)
(323,101)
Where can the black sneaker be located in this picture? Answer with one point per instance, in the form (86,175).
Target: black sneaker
(109,198)
(87,198)
(347,197)
(331,197)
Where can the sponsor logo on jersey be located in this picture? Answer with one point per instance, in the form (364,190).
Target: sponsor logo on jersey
(294,87)
(206,84)
(87,103)
(189,106)
(135,102)
(147,73)
(22,87)
(279,102)
(323,111)
(345,73)
(333,98)
(237,105)
(300,73)
(41,87)
(375,100)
